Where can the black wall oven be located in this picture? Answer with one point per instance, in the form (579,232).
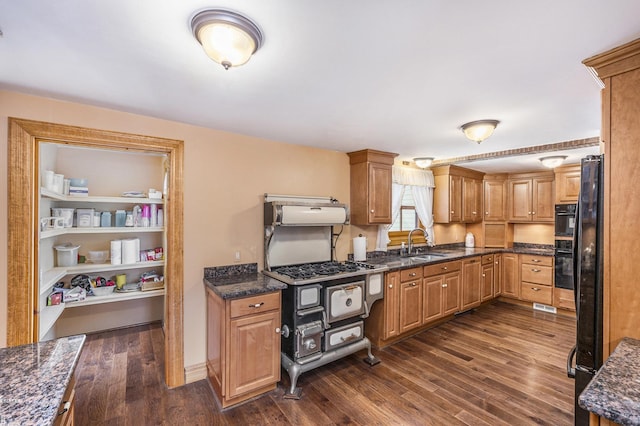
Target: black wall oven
(564,264)
(565,220)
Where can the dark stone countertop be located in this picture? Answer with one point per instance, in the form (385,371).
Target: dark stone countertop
(614,392)
(34,379)
(437,255)
(242,285)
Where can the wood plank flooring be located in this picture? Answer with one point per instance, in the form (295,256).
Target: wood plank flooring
(500,365)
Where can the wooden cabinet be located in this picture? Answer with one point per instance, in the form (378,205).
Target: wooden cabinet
(564,299)
(458,195)
(495,198)
(497,274)
(536,279)
(510,275)
(471,286)
(66,410)
(487,280)
(243,345)
(391,323)
(411,299)
(531,197)
(441,288)
(371,187)
(567,184)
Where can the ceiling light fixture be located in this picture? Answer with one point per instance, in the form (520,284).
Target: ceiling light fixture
(226,37)
(479,130)
(423,162)
(553,161)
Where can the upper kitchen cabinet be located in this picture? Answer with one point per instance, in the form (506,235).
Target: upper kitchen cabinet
(371,187)
(567,184)
(495,197)
(458,195)
(531,197)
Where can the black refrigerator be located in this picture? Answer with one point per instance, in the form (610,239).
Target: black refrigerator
(588,243)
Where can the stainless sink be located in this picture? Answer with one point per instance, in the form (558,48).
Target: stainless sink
(428,257)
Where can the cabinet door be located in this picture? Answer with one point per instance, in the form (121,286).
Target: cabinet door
(510,275)
(568,186)
(470,283)
(455,198)
(254,352)
(451,293)
(495,200)
(471,200)
(497,275)
(391,304)
(410,305)
(542,200)
(487,282)
(432,304)
(520,200)
(379,194)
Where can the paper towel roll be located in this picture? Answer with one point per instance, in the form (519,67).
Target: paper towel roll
(360,249)
(116,252)
(130,250)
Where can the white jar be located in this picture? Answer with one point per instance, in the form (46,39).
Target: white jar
(469,240)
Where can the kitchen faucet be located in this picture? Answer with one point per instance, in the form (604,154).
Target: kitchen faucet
(426,238)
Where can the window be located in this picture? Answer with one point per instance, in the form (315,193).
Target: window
(406,221)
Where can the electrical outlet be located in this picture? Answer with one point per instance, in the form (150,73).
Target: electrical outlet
(237,255)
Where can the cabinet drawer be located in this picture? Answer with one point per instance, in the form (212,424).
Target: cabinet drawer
(536,260)
(542,275)
(410,274)
(536,293)
(254,304)
(442,268)
(487,259)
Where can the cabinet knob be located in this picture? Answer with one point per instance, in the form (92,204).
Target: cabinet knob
(535,289)
(533,212)
(390,285)
(277,330)
(372,211)
(444,267)
(444,285)
(257,305)
(474,213)
(535,270)
(535,260)
(529,212)
(413,274)
(497,262)
(483,275)
(487,213)
(413,284)
(452,212)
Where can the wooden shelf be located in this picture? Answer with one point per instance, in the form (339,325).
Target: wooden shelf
(92,199)
(115,297)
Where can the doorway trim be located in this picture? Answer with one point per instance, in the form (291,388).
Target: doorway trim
(23,192)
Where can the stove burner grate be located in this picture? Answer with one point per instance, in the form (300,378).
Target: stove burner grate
(310,270)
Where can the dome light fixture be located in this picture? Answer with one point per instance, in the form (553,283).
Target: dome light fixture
(553,160)
(226,37)
(423,162)
(479,130)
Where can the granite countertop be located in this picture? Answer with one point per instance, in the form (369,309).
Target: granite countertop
(437,255)
(34,379)
(614,392)
(242,285)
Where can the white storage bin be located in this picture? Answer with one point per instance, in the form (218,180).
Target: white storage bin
(65,213)
(67,254)
(84,218)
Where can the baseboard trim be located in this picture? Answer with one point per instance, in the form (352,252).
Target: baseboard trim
(196,372)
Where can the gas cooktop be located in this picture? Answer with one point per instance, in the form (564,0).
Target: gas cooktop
(308,273)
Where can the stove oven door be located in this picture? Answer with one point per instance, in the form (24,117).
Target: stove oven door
(344,335)
(344,301)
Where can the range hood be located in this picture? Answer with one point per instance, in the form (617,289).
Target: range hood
(304,211)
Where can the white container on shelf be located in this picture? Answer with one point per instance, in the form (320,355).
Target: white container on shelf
(65,213)
(84,218)
(67,254)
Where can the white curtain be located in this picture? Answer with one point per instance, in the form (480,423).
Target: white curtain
(421,183)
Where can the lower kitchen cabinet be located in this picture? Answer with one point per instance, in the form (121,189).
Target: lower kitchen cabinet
(487,281)
(411,299)
(564,299)
(510,275)
(497,274)
(536,279)
(243,345)
(441,288)
(471,286)
(66,410)
(391,327)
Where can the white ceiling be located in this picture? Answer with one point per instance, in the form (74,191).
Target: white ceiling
(393,75)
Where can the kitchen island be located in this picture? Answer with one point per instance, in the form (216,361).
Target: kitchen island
(37,382)
(614,392)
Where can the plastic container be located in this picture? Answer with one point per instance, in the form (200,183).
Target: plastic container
(84,218)
(83,182)
(469,240)
(103,291)
(65,213)
(98,256)
(121,217)
(67,254)
(105,219)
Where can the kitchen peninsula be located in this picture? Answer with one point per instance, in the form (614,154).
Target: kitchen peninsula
(37,382)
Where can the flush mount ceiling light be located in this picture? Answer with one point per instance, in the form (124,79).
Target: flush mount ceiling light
(226,37)
(479,130)
(553,160)
(423,162)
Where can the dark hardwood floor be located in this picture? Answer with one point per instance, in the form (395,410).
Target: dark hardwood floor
(500,365)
